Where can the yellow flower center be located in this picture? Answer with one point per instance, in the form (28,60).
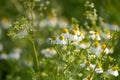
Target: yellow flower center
(115,68)
(51,48)
(96,33)
(81,33)
(65,30)
(76,28)
(96,44)
(103,46)
(54,37)
(73,32)
(61,37)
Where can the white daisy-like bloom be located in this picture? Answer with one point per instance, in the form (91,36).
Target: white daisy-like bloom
(106,35)
(83,45)
(73,36)
(76,28)
(94,35)
(48,52)
(92,66)
(99,70)
(114,27)
(43,23)
(105,49)
(6,23)
(111,51)
(113,71)
(15,54)
(65,33)
(3,56)
(83,64)
(81,36)
(53,39)
(96,49)
(61,40)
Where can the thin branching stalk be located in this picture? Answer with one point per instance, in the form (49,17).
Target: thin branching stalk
(32,40)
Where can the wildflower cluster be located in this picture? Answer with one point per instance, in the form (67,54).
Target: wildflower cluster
(85,54)
(91,50)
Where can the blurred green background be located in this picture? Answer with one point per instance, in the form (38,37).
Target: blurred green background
(108,9)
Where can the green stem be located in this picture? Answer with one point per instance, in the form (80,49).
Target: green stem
(35,53)
(32,38)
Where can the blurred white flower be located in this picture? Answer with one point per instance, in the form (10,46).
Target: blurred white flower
(28,63)
(83,45)
(73,36)
(3,55)
(6,23)
(53,39)
(49,52)
(62,22)
(81,36)
(113,71)
(99,70)
(15,54)
(105,49)
(65,33)
(94,35)
(112,27)
(96,48)
(52,21)
(106,35)
(83,64)
(61,40)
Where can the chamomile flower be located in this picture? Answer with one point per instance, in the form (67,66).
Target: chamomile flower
(105,49)
(48,52)
(113,71)
(81,36)
(53,39)
(96,48)
(106,35)
(99,69)
(73,36)
(83,45)
(61,40)
(94,35)
(76,28)
(65,33)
